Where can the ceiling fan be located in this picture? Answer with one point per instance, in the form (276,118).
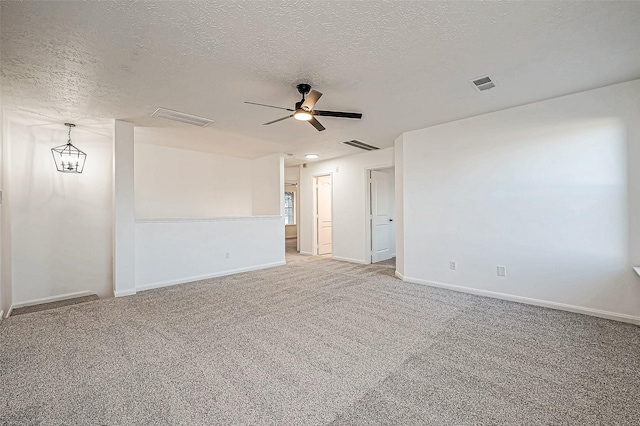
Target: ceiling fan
(304,109)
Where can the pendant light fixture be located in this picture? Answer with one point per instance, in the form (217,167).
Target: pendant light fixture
(68,158)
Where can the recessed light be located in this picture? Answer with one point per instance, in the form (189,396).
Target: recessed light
(311,156)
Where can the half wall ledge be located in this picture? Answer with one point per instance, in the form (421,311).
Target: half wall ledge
(205,219)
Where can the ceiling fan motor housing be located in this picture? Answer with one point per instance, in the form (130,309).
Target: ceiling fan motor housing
(303,88)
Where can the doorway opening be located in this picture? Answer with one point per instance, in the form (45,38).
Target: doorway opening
(323,230)
(291,216)
(381,232)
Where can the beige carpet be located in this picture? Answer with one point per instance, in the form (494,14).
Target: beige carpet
(315,342)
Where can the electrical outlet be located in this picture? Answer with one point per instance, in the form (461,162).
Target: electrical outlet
(453,265)
(226,255)
(502,271)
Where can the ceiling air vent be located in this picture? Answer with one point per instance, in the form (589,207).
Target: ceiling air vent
(193,120)
(484,83)
(357,144)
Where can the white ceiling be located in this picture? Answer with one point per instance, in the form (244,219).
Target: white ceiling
(405,65)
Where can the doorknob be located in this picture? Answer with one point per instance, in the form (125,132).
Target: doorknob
(390,220)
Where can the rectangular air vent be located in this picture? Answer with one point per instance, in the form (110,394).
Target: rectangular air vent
(357,144)
(484,83)
(182,117)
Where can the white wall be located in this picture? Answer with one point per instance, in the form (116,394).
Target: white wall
(5,226)
(267,174)
(399,200)
(178,183)
(177,251)
(60,234)
(123,199)
(232,206)
(292,174)
(61,223)
(5,275)
(550,190)
(349,201)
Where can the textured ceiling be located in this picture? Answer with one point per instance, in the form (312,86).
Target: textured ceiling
(405,65)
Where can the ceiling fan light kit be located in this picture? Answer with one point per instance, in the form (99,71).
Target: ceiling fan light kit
(304,111)
(302,115)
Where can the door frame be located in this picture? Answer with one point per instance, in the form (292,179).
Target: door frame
(314,181)
(367,211)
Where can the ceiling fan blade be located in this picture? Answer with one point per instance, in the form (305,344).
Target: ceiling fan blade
(315,123)
(279,119)
(270,106)
(339,114)
(311,100)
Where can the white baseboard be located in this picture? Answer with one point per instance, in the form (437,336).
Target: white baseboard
(306,253)
(50,299)
(399,275)
(9,311)
(347,259)
(1,316)
(123,293)
(529,301)
(160,284)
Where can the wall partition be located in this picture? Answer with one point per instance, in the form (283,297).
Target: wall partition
(201,215)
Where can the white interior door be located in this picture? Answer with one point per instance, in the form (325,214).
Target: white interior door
(323,213)
(382,208)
